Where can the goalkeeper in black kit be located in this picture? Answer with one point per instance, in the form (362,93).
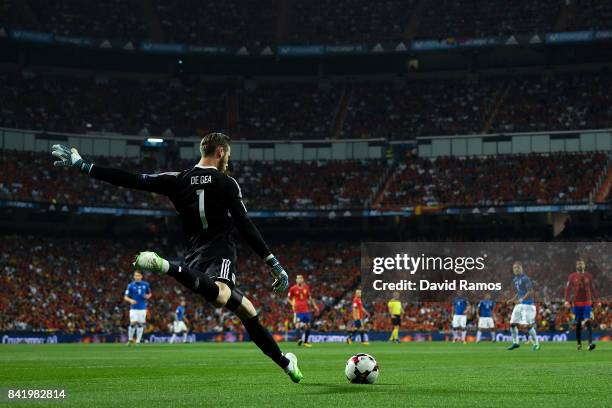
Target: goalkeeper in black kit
(204,197)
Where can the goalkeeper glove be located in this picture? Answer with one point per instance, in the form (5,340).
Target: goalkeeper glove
(70,157)
(281,279)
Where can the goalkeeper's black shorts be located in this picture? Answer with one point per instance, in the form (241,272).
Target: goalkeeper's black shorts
(222,269)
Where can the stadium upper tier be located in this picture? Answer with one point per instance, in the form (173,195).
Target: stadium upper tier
(325,185)
(282,109)
(246,22)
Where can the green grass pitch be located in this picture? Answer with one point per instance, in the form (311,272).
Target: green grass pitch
(237,375)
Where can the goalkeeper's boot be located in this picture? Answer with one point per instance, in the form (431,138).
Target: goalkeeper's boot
(292,369)
(514,346)
(536,347)
(591,347)
(307,345)
(149,262)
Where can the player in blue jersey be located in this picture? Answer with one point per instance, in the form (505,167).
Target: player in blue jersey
(459,325)
(524,312)
(179,326)
(486,317)
(137,294)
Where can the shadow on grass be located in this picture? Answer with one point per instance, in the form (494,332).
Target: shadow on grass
(323,389)
(349,388)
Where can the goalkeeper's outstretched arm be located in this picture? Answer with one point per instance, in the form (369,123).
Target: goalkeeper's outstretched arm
(163,183)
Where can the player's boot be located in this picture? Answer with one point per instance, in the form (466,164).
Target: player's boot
(514,346)
(591,347)
(307,345)
(579,347)
(149,262)
(349,340)
(300,342)
(536,347)
(292,369)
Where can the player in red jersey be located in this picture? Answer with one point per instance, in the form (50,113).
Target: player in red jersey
(581,282)
(299,299)
(358,313)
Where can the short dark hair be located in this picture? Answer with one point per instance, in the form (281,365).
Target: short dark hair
(210,142)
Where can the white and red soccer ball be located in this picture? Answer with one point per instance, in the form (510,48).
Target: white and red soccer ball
(362,369)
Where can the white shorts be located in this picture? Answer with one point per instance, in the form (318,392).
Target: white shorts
(138,316)
(523,314)
(486,323)
(459,321)
(179,326)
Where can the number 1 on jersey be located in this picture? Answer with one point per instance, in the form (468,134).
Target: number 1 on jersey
(202,209)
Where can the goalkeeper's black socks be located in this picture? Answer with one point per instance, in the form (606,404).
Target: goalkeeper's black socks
(579,332)
(195,280)
(307,335)
(264,340)
(589,326)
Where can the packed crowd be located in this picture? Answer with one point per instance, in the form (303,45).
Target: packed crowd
(49,184)
(344,21)
(547,265)
(82,104)
(122,19)
(560,102)
(298,110)
(232,22)
(429,316)
(294,110)
(55,283)
(510,179)
(474,18)
(325,185)
(416,108)
(248,22)
(283,185)
(589,14)
(330,184)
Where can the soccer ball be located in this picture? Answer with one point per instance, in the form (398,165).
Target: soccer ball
(362,369)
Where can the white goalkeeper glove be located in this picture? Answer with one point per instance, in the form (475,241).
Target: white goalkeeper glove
(281,279)
(69,157)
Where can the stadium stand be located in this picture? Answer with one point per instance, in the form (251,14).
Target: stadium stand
(535,178)
(473,18)
(304,110)
(299,110)
(589,14)
(333,22)
(303,185)
(233,22)
(57,285)
(334,184)
(121,19)
(559,102)
(425,107)
(248,22)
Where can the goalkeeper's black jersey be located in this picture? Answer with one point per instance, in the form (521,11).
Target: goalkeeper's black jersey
(208,202)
